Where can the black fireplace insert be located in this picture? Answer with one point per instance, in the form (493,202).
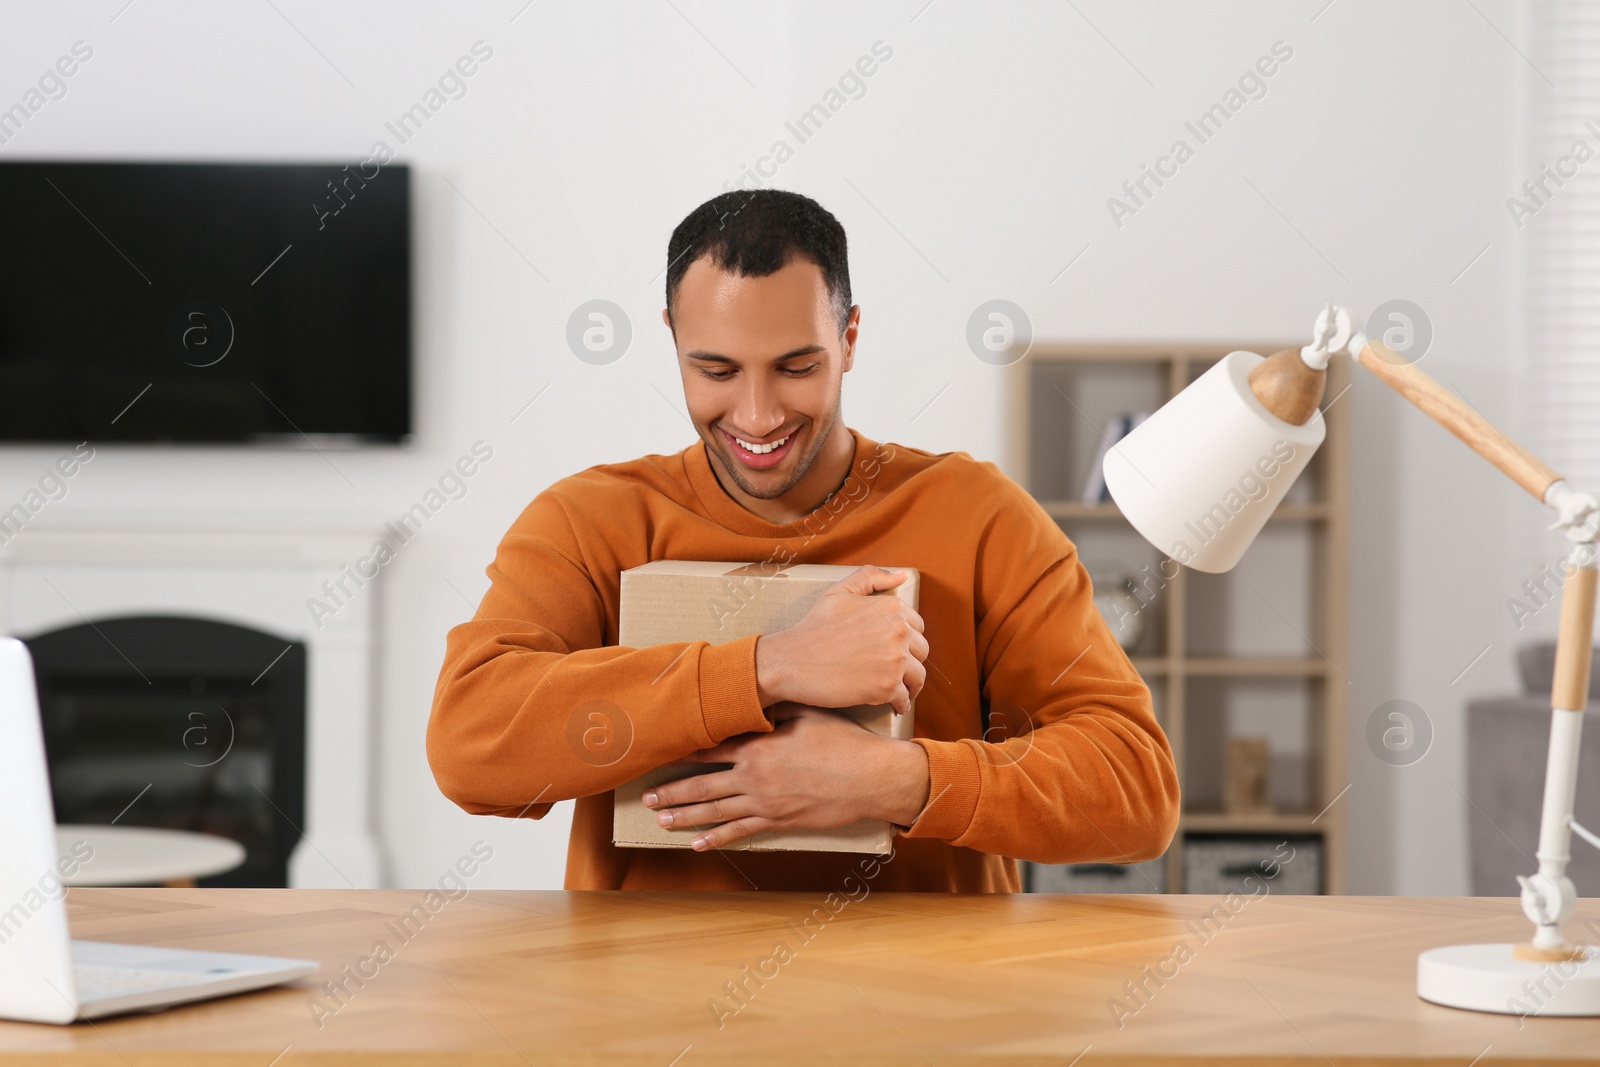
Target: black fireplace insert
(181,723)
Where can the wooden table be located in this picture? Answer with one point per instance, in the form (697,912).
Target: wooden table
(509,978)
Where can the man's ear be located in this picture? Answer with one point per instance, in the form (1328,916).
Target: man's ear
(852,327)
(666,317)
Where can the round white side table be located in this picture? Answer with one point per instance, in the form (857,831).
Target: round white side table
(139,855)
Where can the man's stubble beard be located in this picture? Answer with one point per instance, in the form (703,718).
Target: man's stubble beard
(731,465)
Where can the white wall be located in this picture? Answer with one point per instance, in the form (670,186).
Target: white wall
(976,165)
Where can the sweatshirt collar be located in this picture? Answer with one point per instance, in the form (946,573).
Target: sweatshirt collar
(729,513)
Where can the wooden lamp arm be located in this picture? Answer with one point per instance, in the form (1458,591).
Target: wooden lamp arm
(1459,417)
(1570,690)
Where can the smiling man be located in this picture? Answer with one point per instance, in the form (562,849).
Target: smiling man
(1034,736)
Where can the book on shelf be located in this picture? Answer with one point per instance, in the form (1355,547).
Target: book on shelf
(1094,488)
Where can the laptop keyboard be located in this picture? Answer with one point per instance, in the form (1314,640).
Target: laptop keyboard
(96,982)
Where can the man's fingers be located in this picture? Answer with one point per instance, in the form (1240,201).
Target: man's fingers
(730,832)
(692,790)
(868,579)
(916,677)
(704,816)
(718,753)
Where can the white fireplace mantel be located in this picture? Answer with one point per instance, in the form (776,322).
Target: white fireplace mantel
(256,572)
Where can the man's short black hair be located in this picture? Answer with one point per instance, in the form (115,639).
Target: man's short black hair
(755,232)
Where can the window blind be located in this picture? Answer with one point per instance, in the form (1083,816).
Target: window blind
(1555,209)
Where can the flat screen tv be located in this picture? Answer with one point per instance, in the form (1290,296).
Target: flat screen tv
(205,303)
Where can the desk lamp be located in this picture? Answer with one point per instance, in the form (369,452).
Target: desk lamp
(1200,477)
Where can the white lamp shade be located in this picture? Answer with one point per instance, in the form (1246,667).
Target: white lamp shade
(1200,477)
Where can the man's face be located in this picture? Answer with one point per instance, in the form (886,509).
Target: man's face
(762,361)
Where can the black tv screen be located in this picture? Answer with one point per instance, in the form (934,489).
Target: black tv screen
(205,303)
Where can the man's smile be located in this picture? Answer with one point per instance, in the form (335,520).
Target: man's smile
(759,455)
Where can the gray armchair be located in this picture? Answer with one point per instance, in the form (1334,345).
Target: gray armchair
(1507,741)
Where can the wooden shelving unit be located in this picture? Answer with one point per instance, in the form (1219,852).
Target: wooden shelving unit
(1057,417)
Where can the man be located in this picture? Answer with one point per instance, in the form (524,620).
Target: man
(1035,737)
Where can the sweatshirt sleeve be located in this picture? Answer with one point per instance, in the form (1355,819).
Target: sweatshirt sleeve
(530,708)
(1073,766)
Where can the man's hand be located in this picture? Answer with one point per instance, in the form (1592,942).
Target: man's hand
(816,770)
(850,648)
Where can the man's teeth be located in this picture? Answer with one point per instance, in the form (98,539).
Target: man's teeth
(761,450)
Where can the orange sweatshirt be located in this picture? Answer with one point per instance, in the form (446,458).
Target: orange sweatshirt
(1041,740)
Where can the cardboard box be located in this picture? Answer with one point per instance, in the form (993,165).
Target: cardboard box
(668,601)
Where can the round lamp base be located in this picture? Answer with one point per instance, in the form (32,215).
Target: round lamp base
(1492,978)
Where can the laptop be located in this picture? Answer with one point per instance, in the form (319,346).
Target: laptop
(44,976)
